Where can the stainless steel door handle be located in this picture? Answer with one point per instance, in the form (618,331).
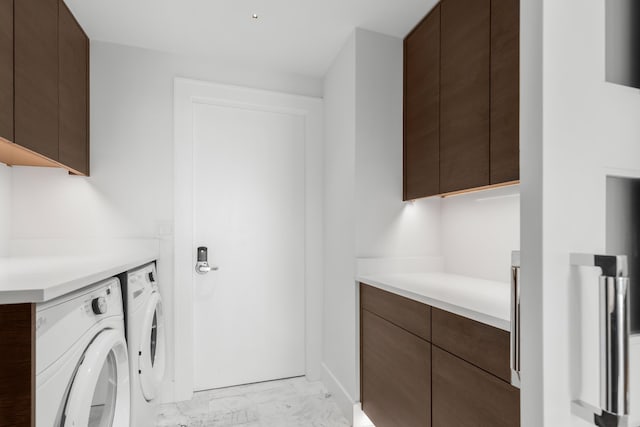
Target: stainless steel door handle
(614,341)
(515,318)
(202,264)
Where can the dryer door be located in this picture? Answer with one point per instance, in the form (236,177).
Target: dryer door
(99,395)
(151,353)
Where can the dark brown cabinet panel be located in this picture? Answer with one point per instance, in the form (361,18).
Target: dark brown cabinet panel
(36,76)
(482,345)
(410,315)
(422,108)
(395,374)
(74,93)
(505,90)
(458,377)
(465,94)
(6,69)
(17,365)
(466,396)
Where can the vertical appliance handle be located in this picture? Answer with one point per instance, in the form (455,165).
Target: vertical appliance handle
(515,318)
(614,340)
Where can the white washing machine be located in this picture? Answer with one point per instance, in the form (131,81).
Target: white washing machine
(146,342)
(82,368)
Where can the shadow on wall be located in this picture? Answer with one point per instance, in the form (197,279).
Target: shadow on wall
(49,203)
(479,231)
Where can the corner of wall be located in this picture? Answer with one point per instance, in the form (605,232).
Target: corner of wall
(342,397)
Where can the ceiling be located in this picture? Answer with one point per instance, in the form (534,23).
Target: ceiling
(297,36)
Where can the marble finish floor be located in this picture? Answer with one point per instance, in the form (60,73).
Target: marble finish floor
(293,402)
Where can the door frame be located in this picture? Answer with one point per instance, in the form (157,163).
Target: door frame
(187,94)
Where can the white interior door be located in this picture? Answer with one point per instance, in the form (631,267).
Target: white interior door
(249,210)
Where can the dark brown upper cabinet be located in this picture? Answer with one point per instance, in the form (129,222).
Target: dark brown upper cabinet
(44,86)
(36,76)
(74,93)
(6,69)
(422,108)
(461,98)
(465,94)
(505,90)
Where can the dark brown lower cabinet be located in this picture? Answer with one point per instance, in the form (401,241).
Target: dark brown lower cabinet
(449,371)
(482,345)
(395,374)
(466,396)
(17,365)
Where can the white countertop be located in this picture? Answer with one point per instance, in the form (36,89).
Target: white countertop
(34,278)
(485,301)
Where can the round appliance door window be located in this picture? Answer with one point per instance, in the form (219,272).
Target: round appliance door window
(99,394)
(151,354)
(104,397)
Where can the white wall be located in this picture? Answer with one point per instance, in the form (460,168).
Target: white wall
(386,226)
(339,320)
(364,213)
(588,129)
(531,100)
(5,207)
(475,232)
(130,191)
(479,231)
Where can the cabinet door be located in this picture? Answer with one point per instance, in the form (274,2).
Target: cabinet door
(6,69)
(36,76)
(74,93)
(395,374)
(422,108)
(464,94)
(410,315)
(17,364)
(482,345)
(505,90)
(467,396)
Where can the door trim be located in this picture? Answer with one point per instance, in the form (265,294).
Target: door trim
(187,94)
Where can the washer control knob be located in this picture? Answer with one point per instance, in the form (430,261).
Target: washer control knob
(99,305)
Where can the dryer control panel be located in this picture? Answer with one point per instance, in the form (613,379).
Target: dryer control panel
(140,284)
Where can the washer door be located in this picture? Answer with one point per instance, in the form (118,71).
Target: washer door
(151,353)
(99,395)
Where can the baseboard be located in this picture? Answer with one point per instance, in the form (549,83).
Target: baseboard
(339,393)
(167,394)
(360,419)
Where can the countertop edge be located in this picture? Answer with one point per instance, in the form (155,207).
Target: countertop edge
(56,290)
(484,318)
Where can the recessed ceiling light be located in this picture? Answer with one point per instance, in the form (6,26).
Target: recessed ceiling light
(254,16)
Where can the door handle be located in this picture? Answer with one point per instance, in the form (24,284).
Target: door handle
(202,263)
(614,341)
(515,318)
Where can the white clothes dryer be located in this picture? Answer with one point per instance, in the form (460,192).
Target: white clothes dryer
(146,343)
(82,368)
